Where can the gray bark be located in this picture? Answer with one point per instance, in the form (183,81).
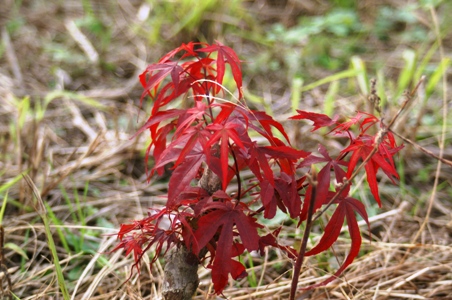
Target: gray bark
(181,269)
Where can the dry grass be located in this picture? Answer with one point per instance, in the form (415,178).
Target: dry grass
(68,106)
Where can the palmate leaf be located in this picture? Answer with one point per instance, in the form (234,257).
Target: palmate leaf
(188,48)
(139,236)
(360,149)
(183,176)
(345,210)
(223,133)
(324,175)
(320,120)
(158,118)
(222,218)
(267,122)
(163,70)
(226,55)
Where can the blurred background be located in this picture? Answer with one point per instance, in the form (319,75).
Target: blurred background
(69,103)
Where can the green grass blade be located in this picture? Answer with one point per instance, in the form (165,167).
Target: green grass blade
(406,76)
(41,210)
(2,211)
(330,98)
(381,88)
(24,110)
(331,78)
(12,182)
(297,84)
(16,249)
(252,278)
(60,232)
(75,96)
(436,77)
(420,70)
(359,66)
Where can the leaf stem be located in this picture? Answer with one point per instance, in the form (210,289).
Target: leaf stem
(237,174)
(299,262)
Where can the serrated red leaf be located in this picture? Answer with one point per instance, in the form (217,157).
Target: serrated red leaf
(346,209)
(223,217)
(223,133)
(345,126)
(192,115)
(324,175)
(163,70)
(320,120)
(267,122)
(226,55)
(360,149)
(188,48)
(182,177)
(268,199)
(286,186)
(159,117)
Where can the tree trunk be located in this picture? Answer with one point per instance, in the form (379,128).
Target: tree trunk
(181,275)
(181,269)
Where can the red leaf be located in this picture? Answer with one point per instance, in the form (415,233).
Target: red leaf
(191,115)
(268,199)
(267,122)
(345,126)
(331,232)
(182,177)
(324,176)
(226,55)
(237,249)
(361,148)
(258,162)
(346,209)
(224,133)
(286,186)
(284,152)
(158,118)
(196,137)
(159,143)
(320,120)
(238,270)
(164,69)
(223,219)
(188,48)
(141,235)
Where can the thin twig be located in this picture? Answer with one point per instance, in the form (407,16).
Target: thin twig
(299,262)
(422,149)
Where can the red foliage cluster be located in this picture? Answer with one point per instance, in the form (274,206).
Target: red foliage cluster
(207,131)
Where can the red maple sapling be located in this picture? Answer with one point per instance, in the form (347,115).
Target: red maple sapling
(209,132)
